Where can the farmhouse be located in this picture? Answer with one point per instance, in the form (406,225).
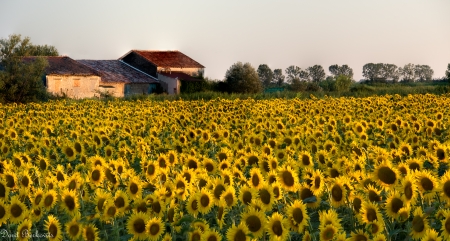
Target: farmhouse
(66,76)
(171,67)
(120,79)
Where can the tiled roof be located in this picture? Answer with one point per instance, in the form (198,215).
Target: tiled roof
(168,59)
(180,76)
(63,65)
(115,71)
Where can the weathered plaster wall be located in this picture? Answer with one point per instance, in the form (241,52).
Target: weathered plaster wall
(73,86)
(173,85)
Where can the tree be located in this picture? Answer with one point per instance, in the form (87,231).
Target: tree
(278,76)
(317,73)
(408,72)
(43,50)
(390,72)
(293,74)
(447,73)
(265,75)
(424,72)
(21,78)
(337,70)
(373,72)
(343,83)
(243,78)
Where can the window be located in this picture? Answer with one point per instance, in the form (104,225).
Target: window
(76,83)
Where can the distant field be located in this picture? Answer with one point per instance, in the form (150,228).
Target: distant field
(370,168)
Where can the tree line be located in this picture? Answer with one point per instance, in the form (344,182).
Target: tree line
(242,77)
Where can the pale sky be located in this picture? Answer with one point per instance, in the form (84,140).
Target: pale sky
(219,33)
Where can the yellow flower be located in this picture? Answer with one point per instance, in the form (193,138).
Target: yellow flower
(90,233)
(74,228)
(17,211)
(419,224)
(288,178)
(136,225)
(238,233)
(255,221)
(297,216)
(370,212)
(154,228)
(24,230)
(53,227)
(205,201)
(277,227)
(69,200)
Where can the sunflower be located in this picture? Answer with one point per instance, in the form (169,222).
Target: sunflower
(192,205)
(247,194)
(277,227)
(17,211)
(419,224)
(427,184)
(393,204)
(211,235)
(238,233)
(154,228)
(297,216)
(74,228)
(255,221)
(90,233)
(409,189)
(306,160)
(316,182)
(328,232)
(385,175)
(221,212)
(337,194)
(69,200)
(229,196)
(266,196)
(53,227)
(101,197)
(209,165)
(370,212)
(181,187)
(288,178)
(134,188)
(205,201)
(329,217)
(4,215)
(307,196)
(69,152)
(359,235)
(121,201)
(136,225)
(10,179)
(441,152)
(431,235)
(4,190)
(151,171)
(373,194)
(375,227)
(24,230)
(110,211)
(356,202)
(445,225)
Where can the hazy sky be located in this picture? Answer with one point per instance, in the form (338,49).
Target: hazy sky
(219,33)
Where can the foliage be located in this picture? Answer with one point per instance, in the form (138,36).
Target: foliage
(316,73)
(337,70)
(242,78)
(278,76)
(447,73)
(343,83)
(265,75)
(21,80)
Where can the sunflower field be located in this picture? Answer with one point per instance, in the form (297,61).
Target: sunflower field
(319,169)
